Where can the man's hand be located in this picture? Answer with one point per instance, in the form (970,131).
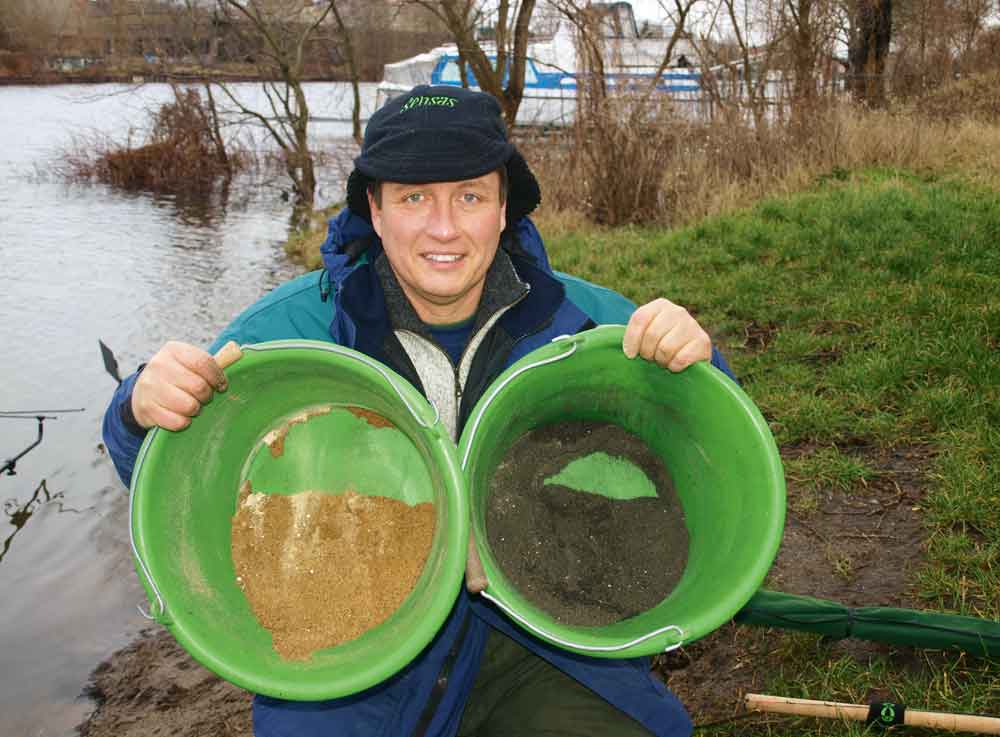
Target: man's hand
(666,333)
(176,382)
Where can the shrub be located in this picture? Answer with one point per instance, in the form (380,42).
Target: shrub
(670,171)
(977,96)
(183,151)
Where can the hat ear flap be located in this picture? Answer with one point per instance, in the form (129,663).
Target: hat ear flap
(523,194)
(357,194)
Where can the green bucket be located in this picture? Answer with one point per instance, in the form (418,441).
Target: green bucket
(715,444)
(185,489)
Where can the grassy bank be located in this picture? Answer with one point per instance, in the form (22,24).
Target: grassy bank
(303,244)
(863,317)
(853,280)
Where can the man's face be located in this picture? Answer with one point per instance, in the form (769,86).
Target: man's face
(440,240)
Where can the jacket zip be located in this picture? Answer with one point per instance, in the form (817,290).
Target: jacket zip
(477,340)
(458,390)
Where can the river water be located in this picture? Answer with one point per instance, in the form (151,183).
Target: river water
(82,263)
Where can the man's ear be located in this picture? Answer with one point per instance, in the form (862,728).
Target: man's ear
(375,212)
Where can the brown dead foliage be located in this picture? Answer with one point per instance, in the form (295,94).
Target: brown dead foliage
(184,151)
(977,97)
(665,169)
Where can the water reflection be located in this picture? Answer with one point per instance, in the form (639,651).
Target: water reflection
(18,514)
(202,209)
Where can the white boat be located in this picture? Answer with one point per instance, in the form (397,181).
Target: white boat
(551,70)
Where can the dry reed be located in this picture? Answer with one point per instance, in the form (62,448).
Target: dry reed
(705,169)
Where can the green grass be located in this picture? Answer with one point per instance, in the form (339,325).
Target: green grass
(865,312)
(823,470)
(304,242)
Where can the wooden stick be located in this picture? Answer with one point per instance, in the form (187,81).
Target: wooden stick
(805,707)
(229,354)
(475,574)
(859,713)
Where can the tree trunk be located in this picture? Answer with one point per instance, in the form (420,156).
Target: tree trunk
(456,16)
(306,183)
(805,56)
(352,67)
(215,128)
(871,34)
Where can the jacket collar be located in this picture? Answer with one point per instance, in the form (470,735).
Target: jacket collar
(502,288)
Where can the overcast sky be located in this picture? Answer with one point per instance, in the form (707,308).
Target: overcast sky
(648,10)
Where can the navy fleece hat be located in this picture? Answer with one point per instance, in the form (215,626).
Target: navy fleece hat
(440,134)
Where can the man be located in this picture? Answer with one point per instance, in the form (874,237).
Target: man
(435,270)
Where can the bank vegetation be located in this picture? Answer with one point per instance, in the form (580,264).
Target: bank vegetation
(623,166)
(641,162)
(185,149)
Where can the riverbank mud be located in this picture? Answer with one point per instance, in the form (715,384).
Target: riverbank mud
(153,688)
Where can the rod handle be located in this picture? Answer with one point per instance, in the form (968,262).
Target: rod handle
(805,707)
(955,722)
(859,713)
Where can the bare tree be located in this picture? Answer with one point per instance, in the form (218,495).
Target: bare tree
(972,17)
(736,71)
(352,66)
(678,15)
(502,77)
(769,58)
(809,30)
(985,54)
(591,80)
(935,39)
(277,35)
(921,55)
(805,47)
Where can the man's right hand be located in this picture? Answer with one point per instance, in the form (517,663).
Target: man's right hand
(176,382)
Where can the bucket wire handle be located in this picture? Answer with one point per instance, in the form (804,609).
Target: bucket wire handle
(131,534)
(589,648)
(500,387)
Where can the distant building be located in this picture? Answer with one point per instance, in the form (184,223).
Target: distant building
(109,29)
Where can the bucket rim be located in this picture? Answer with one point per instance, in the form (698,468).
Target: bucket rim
(586,640)
(293,681)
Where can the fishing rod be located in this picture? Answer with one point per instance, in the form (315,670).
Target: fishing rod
(880,714)
(40,416)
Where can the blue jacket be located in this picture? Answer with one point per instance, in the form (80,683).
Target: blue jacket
(354,301)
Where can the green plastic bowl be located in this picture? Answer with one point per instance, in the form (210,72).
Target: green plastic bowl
(715,444)
(184,494)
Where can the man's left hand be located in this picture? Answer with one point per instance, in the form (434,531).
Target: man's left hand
(666,333)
